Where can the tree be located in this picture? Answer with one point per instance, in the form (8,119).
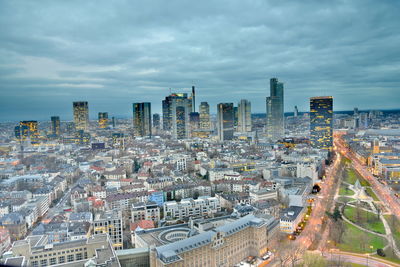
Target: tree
(313,260)
(336,214)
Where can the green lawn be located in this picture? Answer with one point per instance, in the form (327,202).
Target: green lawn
(371,193)
(367,220)
(351,177)
(345,191)
(351,240)
(344,199)
(394,224)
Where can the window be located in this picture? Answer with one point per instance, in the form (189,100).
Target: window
(35,263)
(78,256)
(43,262)
(70,258)
(61,259)
(53,261)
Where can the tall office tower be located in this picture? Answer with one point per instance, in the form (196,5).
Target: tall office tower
(176,109)
(193,99)
(225,122)
(321,122)
(29,129)
(180,109)
(103,120)
(355,112)
(142,119)
(55,126)
(275,128)
(235,116)
(204,116)
(244,116)
(296,112)
(113,122)
(156,121)
(194,118)
(81,115)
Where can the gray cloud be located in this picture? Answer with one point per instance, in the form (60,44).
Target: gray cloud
(113,53)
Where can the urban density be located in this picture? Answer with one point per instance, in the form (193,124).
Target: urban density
(186,176)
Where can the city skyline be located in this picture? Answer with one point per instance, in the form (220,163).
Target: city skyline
(319,51)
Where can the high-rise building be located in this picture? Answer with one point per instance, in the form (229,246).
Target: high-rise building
(194,118)
(193,99)
(321,122)
(142,119)
(156,121)
(204,116)
(235,116)
(296,112)
(176,114)
(81,115)
(55,126)
(103,120)
(28,129)
(113,122)
(275,128)
(225,122)
(244,116)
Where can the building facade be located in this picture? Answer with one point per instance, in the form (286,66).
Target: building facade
(204,114)
(203,206)
(145,211)
(81,115)
(142,119)
(225,121)
(275,128)
(103,120)
(55,126)
(110,223)
(244,116)
(321,122)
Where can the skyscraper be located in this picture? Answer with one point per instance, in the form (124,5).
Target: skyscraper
(296,112)
(142,119)
(225,122)
(244,116)
(103,120)
(193,99)
(156,121)
(275,128)
(204,115)
(81,115)
(321,122)
(55,126)
(176,114)
(27,129)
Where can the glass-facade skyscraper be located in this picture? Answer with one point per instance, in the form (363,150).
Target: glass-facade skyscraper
(244,116)
(142,119)
(321,122)
(55,126)
(204,116)
(225,122)
(275,128)
(176,115)
(103,120)
(81,115)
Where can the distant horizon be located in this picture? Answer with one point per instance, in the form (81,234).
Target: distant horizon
(287,113)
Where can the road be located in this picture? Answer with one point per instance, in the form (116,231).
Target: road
(358,259)
(383,192)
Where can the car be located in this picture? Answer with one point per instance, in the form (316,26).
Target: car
(266,257)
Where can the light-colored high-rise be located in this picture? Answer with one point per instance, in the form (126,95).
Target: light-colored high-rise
(225,121)
(204,110)
(142,119)
(81,115)
(244,116)
(275,128)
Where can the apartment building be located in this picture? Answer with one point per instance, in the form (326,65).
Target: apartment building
(145,211)
(110,223)
(189,207)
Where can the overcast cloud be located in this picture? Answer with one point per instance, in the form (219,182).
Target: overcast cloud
(114,53)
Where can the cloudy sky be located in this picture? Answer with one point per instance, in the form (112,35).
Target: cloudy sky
(114,53)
